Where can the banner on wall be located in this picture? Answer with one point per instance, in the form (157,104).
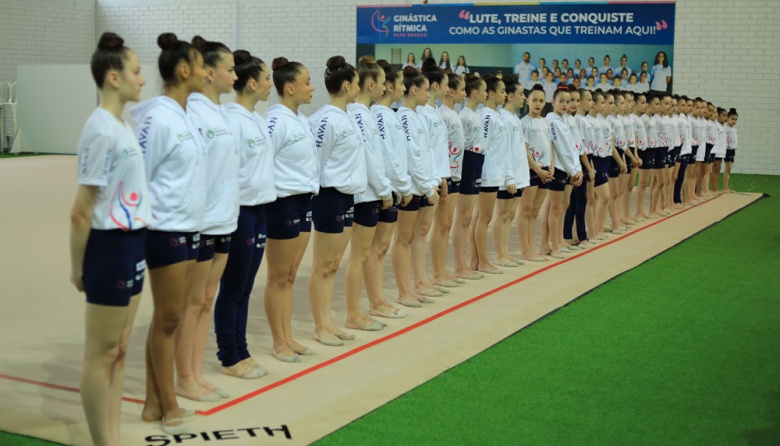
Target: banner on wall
(561,23)
(574,41)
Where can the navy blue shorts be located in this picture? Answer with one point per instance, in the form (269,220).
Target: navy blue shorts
(367,214)
(471,176)
(488,190)
(505,195)
(165,248)
(559,181)
(389,215)
(414,204)
(730,155)
(648,158)
(659,162)
(673,156)
(614,168)
(536,180)
(332,211)
(114,266)
(209,244)
(694,152)
(709,157)
(627,160)
(287,217)
(453,187)
(602,171)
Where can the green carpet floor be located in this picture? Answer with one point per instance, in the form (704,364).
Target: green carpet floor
(683,350)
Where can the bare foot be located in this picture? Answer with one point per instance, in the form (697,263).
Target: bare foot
(195,392)
(150,415)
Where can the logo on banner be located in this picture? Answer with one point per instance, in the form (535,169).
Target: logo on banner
(379,23)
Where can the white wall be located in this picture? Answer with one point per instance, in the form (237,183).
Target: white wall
(45,32)
(725,50)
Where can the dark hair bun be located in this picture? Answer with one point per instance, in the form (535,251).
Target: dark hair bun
(367,60)
(429,65)
(384,64)
(241,56)
(537,87)
(166,41)
(279,62)
(110,41)
(733,111)
(410,71)
(199,42)
(336,63)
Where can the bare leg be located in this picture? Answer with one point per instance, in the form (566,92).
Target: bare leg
(590,212)
(102,376)
(726,176)
(526,224)
(360,247)
(402,257)
(422,227)
(184,338)
(602,205)
(374,268)
(505,212)
(169,289)
(204,320)
(485,204)
(283,259)
(464,212)
(564,205)
(555,200)
(641,190)
(440,238)
(614,192)
(328,250)
(544,242)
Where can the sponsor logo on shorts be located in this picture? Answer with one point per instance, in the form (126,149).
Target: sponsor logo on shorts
(175,242)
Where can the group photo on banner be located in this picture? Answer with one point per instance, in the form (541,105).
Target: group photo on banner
(593,46)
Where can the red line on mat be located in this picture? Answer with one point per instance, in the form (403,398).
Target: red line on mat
(400,332)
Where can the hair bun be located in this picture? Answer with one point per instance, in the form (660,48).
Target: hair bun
(166,41)
(279,62)
(367,60)
(410,71)
(241,56)
(336,63)
(429,65)
(538,87)
(110,41)
(733,111)
(384,64)
(199,42)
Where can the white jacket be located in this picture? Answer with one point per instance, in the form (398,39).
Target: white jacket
(341,151)
(437,139)
(518,153)
(256,178)
(566,155)
(379,187)
(176,168)
(224,159)
(455,141)
(393,138)
(295,157)
(419,157)
(496,170)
